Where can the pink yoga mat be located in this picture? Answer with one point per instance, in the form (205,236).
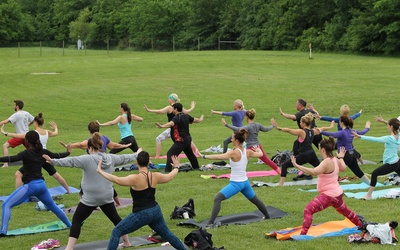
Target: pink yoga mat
(248,174)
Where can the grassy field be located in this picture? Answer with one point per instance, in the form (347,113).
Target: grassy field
(91,87)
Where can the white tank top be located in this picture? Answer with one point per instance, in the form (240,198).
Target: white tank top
(43,139)
(238,168)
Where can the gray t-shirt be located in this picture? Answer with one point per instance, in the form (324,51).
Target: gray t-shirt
(253,129)
(21,120)
(96,189)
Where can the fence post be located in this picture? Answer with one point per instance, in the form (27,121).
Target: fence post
(108,46)
(152,45)
(219,42)
(173,43)
(19,52)
(198,43)
(40,45)
(63,48)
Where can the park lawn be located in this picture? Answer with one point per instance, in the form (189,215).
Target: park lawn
(91,87)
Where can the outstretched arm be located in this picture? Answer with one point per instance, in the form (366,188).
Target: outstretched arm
(109,123)
(288,116)
(198,120)
(380,119)
(164,110)
(166,125)
(14,135)
(136,118)
(192,106)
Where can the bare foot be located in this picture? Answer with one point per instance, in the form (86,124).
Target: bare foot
(5,165)
(366,198)
(123,245)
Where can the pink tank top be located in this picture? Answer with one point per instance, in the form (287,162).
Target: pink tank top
(328,183)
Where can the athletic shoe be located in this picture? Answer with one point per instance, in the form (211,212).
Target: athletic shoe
(44,245)
(302,176)
(54,243)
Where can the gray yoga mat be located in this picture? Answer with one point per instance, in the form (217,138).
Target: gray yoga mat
(238,219)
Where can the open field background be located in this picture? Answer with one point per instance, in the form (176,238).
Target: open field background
(91,87)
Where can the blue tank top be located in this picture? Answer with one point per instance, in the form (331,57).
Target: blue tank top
(125,129)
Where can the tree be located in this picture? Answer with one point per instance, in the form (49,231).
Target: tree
(82,27)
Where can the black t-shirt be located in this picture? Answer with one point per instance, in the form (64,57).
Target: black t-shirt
(32,163)
(302,113)
(181,128)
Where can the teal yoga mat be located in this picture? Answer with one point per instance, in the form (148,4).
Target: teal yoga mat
(361,185)
(376,194)
(41,228)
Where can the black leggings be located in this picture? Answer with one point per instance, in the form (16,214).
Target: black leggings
(177,148)
(384,169)
(350,158)
(302,158)
(130,139)
(83,212)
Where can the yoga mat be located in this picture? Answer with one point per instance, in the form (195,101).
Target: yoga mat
(41,228)
(179,156)
(376,194)
(102,244)
(327,229)
(54,191)
(361,185)
(288,183)
(248,174)
(125,202)
(238,219)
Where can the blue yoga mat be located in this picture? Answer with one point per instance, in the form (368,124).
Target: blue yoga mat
(376,194)
(361,185)
(54,191)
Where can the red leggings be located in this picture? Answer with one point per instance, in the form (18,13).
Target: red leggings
(267,160)
(322,202)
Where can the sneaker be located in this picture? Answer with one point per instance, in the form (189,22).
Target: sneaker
(54,242)
(44,245)
(210,226)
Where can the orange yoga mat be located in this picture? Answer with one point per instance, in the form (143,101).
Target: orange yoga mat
(330,228)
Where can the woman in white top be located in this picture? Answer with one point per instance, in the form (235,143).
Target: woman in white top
(44,135)
(239,182)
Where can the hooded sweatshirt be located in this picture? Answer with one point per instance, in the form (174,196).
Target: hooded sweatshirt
(96,189)
(391,145)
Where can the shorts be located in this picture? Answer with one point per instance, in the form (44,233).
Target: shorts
(14,142)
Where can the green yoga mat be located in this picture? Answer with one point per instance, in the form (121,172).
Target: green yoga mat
(41,228)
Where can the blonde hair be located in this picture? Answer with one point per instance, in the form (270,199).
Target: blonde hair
(344,110)
(251,114)
(239,103)
(307,119)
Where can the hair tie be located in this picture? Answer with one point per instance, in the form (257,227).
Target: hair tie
(172,97)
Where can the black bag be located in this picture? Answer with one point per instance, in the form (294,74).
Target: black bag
(187,208)
(281,157)
(199,239)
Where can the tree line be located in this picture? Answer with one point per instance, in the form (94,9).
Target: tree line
(356,26)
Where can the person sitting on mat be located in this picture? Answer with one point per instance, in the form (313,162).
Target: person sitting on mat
(96,192)
(330,192)
(34,184)
(146,210)
(305,137)
(238,159)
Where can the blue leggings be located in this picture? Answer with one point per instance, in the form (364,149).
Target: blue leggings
(33,188)
(235,187)
(150,216)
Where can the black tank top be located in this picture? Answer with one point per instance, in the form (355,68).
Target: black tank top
(306,145)
(170,116)
(145,198)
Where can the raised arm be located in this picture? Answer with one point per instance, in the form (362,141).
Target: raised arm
(380,119)
(81,145)
(298,132)
(166,125)
(288,116)
(53,126)
(192,106)
(320,169)
(340,156)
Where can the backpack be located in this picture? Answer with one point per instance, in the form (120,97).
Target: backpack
(188,207)
(281,157)
(199,239)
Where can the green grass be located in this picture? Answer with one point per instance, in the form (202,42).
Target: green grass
(91,87)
